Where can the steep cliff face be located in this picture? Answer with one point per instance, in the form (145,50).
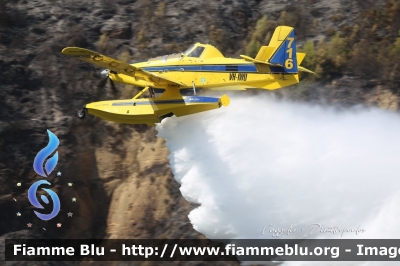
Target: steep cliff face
(120,174)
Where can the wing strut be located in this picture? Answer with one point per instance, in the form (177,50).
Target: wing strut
(194,88)
(141,92)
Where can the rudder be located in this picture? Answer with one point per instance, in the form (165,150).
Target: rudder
(285,54)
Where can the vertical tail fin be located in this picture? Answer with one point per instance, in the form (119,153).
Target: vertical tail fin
(280,55)
(284,54)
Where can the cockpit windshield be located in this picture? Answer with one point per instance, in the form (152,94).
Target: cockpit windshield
(188,50)
(196,52)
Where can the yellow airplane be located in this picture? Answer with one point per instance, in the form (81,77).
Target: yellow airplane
(202,66)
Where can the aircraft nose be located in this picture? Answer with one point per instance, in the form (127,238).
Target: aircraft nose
(104,73)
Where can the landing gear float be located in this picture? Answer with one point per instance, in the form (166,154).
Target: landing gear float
(151,111)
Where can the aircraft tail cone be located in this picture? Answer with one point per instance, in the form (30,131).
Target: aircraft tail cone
(225,101)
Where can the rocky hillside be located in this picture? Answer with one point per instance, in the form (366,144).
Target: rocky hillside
(120,174)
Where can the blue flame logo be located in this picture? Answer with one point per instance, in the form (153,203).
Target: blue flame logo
(44,153)
(49,167)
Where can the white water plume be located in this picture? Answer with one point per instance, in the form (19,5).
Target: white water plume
(263,163)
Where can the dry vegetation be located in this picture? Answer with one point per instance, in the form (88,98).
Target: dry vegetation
(369,49)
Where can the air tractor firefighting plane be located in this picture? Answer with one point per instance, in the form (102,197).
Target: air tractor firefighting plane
(202,66)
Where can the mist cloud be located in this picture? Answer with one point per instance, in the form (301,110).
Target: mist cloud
(263,161)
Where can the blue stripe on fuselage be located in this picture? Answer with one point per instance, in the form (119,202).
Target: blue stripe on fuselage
(200,99)
(248,68)
(204,68)
(189,99)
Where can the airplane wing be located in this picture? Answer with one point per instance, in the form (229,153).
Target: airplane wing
(112,64)
(100,60)
(163,78)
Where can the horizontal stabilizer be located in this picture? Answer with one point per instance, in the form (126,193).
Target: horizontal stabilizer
(300,57)
(305,70)
(248,58)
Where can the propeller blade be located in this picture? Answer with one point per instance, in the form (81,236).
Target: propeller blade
(102,83)
(100,87)
(114,89)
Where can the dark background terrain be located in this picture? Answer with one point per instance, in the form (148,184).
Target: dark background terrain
(122,182)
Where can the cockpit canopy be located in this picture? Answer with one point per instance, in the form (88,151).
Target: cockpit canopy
(197,50)
(202,50)
(194,51)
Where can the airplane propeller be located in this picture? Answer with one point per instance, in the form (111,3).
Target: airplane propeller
(103,82)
